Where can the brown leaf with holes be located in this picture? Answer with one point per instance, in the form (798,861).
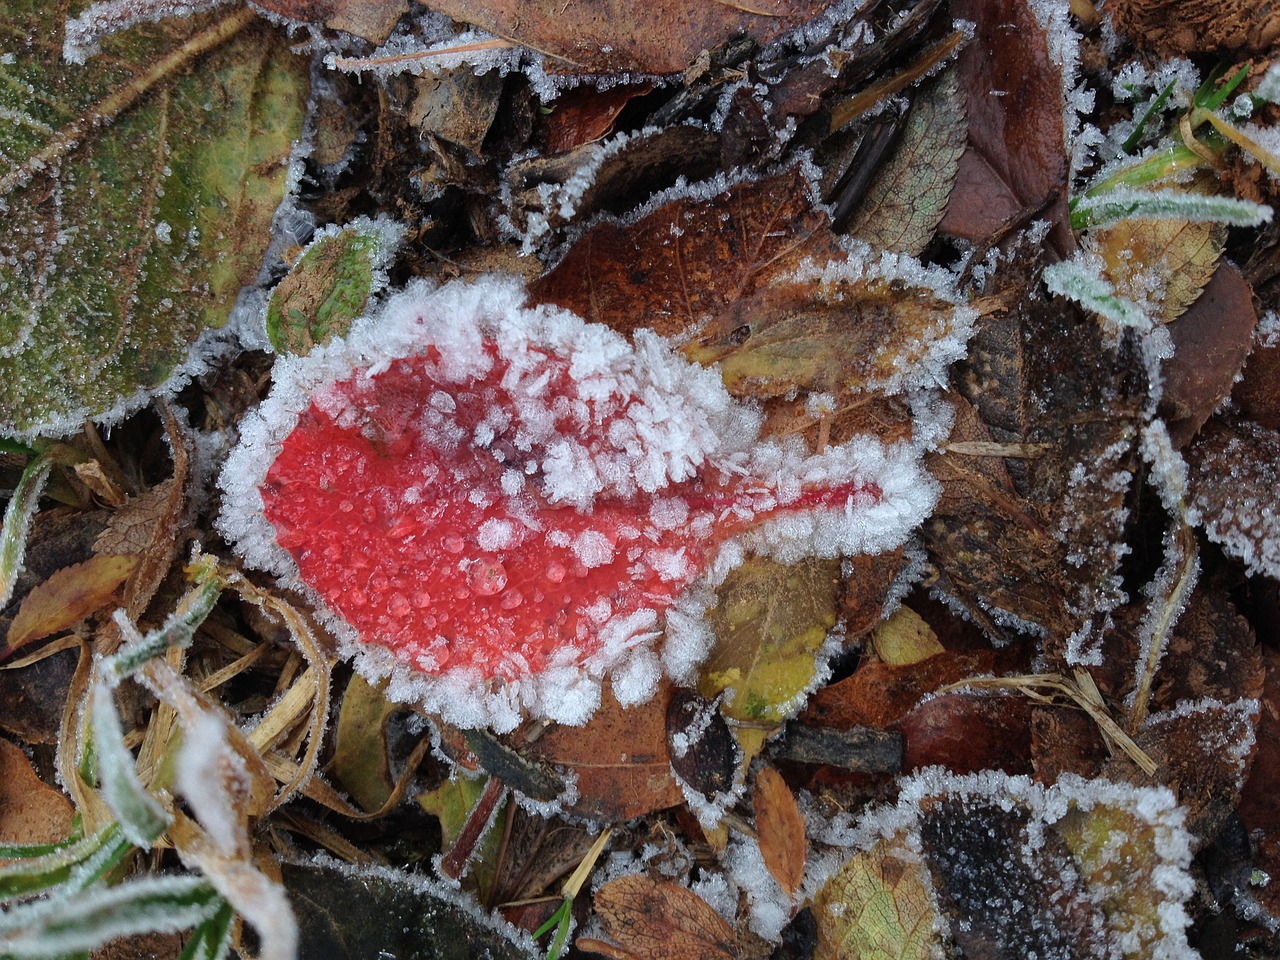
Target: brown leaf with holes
(689,259)
(67,597)
(31,811)
(618,36)
(781,830)
(662,920)
(619,757)
(1015,161)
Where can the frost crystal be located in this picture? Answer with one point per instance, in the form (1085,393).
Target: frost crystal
(499,505)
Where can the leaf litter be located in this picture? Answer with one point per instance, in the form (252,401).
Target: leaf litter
(887,578)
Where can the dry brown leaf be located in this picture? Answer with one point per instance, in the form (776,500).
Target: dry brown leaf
(683,263)
(617,36)
(31,811)
(1210,344)
(781,830)
(1015,159)
(1234,476)
(620,758)
(584,114)
(663,920)
(371,19)
(68,596)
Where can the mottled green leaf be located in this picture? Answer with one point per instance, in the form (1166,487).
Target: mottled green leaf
(137,193)
(330,285)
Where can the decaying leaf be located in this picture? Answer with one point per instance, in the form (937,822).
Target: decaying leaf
(360,759)
(662,920)
(620,758)
(905,638)
(1211,342)
(781,829)
(330,285)
(879,905)
(612,36)
(703,751)
(908,196)
(69,596)
(686,260)
(30,810)
(139,200)
(770,621)
(1234,476)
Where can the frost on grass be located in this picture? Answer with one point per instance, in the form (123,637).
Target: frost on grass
(499,505)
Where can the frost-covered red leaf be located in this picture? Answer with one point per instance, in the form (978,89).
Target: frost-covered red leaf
(501,504)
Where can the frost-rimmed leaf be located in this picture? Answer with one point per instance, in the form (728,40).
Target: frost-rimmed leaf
(55,928)
(137,201)
(141,815)
(17,520)
(1122,203)
(330,285)
(1081,279)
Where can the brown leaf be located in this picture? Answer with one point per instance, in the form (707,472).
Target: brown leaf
(30,810)
(1234,476)
(620,758)
(966,733)
(1210,342)
(781,830)
(1015,159)
(662,920)
(671,270)
(878,694)
(585,114)
(69,596)
(1258,392)
(616,36)
(1259,800)
(372,20)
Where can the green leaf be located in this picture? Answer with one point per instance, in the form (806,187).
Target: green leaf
(211,939)
(138,193)
(77,864)
(53,928)
(142,818)
(330,285)
(17,521)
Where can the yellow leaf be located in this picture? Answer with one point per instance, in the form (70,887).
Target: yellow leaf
(905,639)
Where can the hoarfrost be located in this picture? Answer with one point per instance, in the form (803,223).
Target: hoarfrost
(595,422)
(107,17)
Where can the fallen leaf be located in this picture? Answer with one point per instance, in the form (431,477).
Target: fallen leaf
(781,830)
(619,757)
(373,20)
(30,810)
(829,335)
(966,733)
(585,114)
(1015,160)
(1211,342)
(770,621)
(703,751)
(614,36)
(878,694)
(1162,262)
(879,906)
(353,913)
(905,638)
(360,759)
(329,286)
(67,597)
(458,106)
(908,196)
(684,262)
(1030,905)
(143,211)
(1233,478)
(662,920)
